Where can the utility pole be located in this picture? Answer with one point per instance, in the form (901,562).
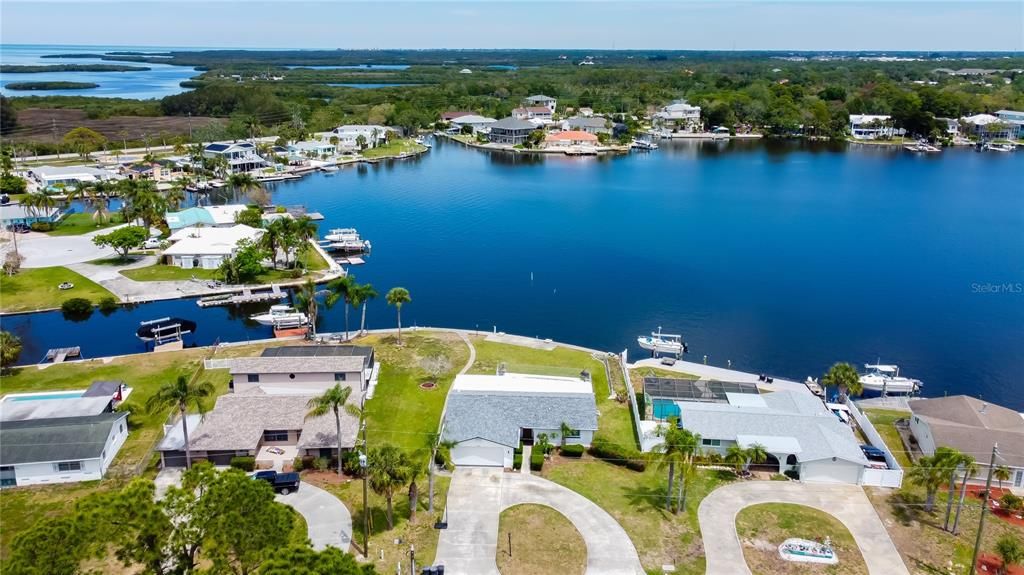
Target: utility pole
(984,507)
(364,464)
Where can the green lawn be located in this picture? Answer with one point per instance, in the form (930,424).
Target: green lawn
(884,421)
(33,289)
(393,148)
(543,541)
(614,420)
(636,376)
(309,259)
(763,527)
(636,501)
(77,224)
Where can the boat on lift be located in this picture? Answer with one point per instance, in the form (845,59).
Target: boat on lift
(164,329)
(1000,147)
(645,145)
(281,315)
(342,234)
(659,342)
(886,379)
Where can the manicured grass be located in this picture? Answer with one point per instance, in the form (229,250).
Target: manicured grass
(420,532)
(636,376)
(401,412)
(763,527)
(543,541)
(637,501)
(77,224)
(162,272)
(884,421)
(393,148)
(614,421)
(32,289)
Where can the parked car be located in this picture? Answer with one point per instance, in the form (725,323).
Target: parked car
(153,244)
(875,457)
(283,483)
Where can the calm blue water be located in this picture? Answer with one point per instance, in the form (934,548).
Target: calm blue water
(782,258)
(161,80)
(355,67)
(371,86)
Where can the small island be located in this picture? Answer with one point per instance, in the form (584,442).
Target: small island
(28,69)
(51,85)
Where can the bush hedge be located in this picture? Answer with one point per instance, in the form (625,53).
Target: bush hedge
(517,460)
(76,305)
(108,304)
(536,461)
(572,451)
(41,227)
(244,463)
(627,457)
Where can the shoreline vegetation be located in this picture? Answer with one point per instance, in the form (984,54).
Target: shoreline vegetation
(28,86)
(29,69)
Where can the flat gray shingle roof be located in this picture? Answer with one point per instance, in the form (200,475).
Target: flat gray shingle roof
(499,417)
(57,439)
(336,364)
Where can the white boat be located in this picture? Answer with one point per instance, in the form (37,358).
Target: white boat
(887,380)
(423,142)
(646,145)
(355,245)
(659,342)
(342,235)
(921,147)
(281,316)
(807,551)
(1000,147)
(329,168)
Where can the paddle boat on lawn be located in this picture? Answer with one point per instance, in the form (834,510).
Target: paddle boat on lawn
(807,551)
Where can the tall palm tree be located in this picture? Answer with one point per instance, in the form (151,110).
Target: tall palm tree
(398,296)
(243,182)
(970,468)
(274,237)
(439,446)
(845,377)
(181,394)
(341,289)
(1001,474)
(389,471)
(39,201)
(670,453)
(931,473)
(360,295)
(332,400)
(305,299)
(176,194)
(303,229)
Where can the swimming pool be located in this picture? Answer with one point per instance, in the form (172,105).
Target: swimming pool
(664,409)
(55,395)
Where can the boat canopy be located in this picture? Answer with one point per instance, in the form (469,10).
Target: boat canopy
(882,367)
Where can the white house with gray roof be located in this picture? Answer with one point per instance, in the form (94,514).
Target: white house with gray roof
(488,416)
(305,369)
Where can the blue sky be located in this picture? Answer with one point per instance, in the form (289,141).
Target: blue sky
(752,25)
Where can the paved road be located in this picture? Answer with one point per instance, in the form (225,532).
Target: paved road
(327,519)
(847,503)
(476,498)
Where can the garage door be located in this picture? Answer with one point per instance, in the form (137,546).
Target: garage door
(478,456)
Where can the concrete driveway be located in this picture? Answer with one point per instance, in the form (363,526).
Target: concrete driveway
(43,251)
(327,519)
(476,498)
(847,503)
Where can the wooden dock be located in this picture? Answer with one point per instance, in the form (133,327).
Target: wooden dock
(245,296)
(58,355)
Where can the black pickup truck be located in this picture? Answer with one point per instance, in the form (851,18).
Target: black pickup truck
(283,483)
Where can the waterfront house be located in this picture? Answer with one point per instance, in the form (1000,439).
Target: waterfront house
(541,100)
(48,450)
(570,138)
(489,416)
(207,247)
(972,426)
(872,127)
(19,215)
(350,135)
(477,123)
(592,125)
(315,149)
(240,156)
(679,116)
(50,178)
(989,127)
(541,113)
(213,216)
(305,369)
(951,126)
(271,428)
(510,131)
(449,116)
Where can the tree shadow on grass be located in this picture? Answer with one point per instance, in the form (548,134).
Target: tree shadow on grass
(647,498)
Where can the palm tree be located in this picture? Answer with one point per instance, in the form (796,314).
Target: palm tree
(39,201)
(181,394)
(389,471)
(397,296)
(930,472)
(341,289)
(564,430)
(300,231)
(970,468)
(360,294)
(756,454)
(1001,474)
(736,456)
(244,183)
(332,400)
(845,377)
(10,349)
(176,194)
(438,446)
(670,452)
(305,299)
(414,471)
(1010,551)
(274,237)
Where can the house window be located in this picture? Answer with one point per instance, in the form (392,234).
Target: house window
(253,378)
(339,377)
(573,434)
(68,466)
(275,435)
(711,442)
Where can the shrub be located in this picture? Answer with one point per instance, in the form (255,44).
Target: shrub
(321,463)
(76,306)
(792,474)
(1011,502)
(627,457)
(245,463)
(297,464)
(572,451)
(350,463)
(108,304)
(41,226)
(517,460)
(536,460)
